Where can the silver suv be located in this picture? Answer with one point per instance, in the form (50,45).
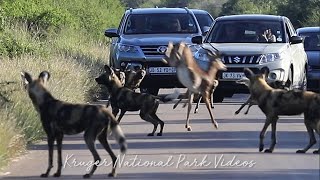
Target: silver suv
(143,36)
(256,42)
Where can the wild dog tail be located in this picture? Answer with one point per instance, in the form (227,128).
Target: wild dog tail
(169,97)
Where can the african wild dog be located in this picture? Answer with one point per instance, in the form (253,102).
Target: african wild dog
(134,77)
(192,76)
(59,118)
(199,97)
(276,102)
(250,101)
(130,78)
(125,99)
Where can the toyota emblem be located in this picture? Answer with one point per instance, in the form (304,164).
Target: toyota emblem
(162,49)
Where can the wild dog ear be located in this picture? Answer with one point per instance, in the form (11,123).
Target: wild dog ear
(108,69)
(26,78)
(44,76)
(248,73)
(264,72)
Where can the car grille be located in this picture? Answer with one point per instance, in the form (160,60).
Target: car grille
(254,59)
(150,50)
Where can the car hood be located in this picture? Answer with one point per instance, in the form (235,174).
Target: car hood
(313,58)
(247,48)
(155,39)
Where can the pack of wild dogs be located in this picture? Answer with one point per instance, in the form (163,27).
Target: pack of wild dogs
(61,118)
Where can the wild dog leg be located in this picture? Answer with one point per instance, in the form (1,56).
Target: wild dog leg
(312,140)
(50,155)
(59,139)
(190,99)
(176,104)
(263,132)
(145,115)
(273,135)
(115,111)
(154,116)
(206,100)
(90,137)
(104,142)
(249,106)
(122,112)
(243,105)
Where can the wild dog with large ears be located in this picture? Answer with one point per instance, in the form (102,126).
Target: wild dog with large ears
(124,99)
(59,118)
(276,102)
(192,76)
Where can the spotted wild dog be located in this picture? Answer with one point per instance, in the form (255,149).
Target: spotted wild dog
(276,102)
(59,118)
(192,76)
(130,78)
(250,101)
(134,77)
(125,99)
(199,97)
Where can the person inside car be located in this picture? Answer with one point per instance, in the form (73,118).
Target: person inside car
(267,36)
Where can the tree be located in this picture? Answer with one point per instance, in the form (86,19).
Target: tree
(301,12)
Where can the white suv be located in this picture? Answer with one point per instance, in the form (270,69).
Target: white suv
(255,42)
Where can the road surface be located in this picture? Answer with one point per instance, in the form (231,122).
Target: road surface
(231,152)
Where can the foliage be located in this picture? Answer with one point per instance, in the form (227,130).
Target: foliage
(300,12)
(61,36)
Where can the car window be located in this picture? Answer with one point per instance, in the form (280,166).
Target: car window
(204,20)
(311,41)
(247,32)
(160,23)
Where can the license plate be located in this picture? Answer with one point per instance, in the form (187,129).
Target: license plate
(162,70)
(232,75)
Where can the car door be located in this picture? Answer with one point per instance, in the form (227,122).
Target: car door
(297,56)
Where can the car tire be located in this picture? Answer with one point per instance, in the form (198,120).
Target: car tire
(304,81)
(218,97)
(153,91)
(290,78)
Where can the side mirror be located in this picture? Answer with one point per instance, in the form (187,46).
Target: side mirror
(111,33)
(196,39)
(296,39)
(205,30)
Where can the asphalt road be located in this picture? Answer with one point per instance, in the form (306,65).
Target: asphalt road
(231,152)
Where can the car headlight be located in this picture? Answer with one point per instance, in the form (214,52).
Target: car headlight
(271,57)
(127,48)
(201,56)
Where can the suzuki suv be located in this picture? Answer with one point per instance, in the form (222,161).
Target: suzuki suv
(142,39)
(256,42)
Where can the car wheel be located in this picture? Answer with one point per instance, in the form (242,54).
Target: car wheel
(290,79)
(153,91)
(218,97)
(304,80)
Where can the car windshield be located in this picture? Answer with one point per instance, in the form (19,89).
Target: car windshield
(311,41)
(204,20)
(246,32)
(160,24)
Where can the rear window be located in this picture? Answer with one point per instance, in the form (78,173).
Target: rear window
(160,24)
(311,41)
(247,32)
